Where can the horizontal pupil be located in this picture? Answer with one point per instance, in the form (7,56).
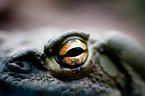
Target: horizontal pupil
(74,52)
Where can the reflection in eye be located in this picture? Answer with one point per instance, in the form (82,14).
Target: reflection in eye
(72,53)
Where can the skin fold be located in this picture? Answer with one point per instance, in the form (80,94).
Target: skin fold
(114,66)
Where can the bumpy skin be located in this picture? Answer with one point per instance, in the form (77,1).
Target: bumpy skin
(117,69)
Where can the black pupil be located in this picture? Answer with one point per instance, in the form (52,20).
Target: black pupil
(74,52)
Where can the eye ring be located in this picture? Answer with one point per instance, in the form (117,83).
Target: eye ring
(56,68)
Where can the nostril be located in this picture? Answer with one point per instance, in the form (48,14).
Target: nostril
(21,64)
(19,67)
(13,67)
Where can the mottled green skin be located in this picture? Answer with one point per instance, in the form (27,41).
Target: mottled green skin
(26,74)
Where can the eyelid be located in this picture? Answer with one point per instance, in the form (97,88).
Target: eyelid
(53,44)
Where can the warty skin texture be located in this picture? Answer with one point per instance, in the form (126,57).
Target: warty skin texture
(112,69)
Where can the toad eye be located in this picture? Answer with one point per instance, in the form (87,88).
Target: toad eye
(69,56)
(72,53)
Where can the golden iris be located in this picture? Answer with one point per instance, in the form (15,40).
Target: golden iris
(73,53)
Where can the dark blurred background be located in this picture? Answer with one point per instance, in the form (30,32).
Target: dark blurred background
(127,16)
